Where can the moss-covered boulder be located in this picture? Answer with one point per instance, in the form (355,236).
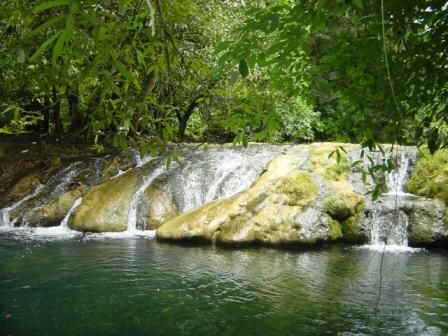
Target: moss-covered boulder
(105,207)
(22,188)
(430,177)
(343,205)
(345,208)
(329,160)
(297,189)
(277,209)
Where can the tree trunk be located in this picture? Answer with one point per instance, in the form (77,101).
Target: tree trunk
(76,117)
(46,112)
(59,129)
(184,117)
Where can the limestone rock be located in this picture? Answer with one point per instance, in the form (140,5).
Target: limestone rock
(105,207)
(272,211)
(426,222)
(51,214)
(156,207)
(23,187)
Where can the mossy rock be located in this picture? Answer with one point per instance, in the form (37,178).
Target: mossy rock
(23,187)
(351,227)
(54,212)
(335,229)
(424,222)
(298,189)
(430,176)
(324,163)
(343,205)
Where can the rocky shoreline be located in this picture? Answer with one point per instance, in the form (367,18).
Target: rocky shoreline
(275,195)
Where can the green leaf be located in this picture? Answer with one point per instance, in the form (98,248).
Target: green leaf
(44,46)
(243,68)
(129,76)
(50,22)
(69,27)
(50,4)
(58,47)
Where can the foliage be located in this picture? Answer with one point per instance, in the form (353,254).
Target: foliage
(225,71)
(332,52)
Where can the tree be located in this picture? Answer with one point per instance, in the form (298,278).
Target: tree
(334,53)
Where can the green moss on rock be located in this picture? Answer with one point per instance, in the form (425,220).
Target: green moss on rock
(345,208)
(327,166)
(335,229)
(52,213)
(343,205)
(351,227)
(430,177)
(298,189)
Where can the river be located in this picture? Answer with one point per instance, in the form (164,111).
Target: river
(94,285)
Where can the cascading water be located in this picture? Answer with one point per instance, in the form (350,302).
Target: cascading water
(5,220)
(387,221)
(396,179)
(216,173)
(200,177)
(136,198)
(64,223)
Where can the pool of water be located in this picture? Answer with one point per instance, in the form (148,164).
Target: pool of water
(104,286)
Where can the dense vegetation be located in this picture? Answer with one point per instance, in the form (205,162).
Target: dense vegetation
(234,70)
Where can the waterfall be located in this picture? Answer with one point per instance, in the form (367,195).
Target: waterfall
(396,179)
(5,220)
(64,222)
(389,226)
(387,221)
(136,198)
(138,159)
(216,173)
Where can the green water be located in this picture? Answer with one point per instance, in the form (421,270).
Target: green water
(142,287)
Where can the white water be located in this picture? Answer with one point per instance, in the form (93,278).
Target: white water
(136,198)
(217,173)
(5,220)
(138,159)
(396,179)
(389,248)
(388,223)
(64,222)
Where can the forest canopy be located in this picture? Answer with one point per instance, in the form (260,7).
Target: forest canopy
(282,71)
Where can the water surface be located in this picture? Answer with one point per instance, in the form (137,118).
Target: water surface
(139,286)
